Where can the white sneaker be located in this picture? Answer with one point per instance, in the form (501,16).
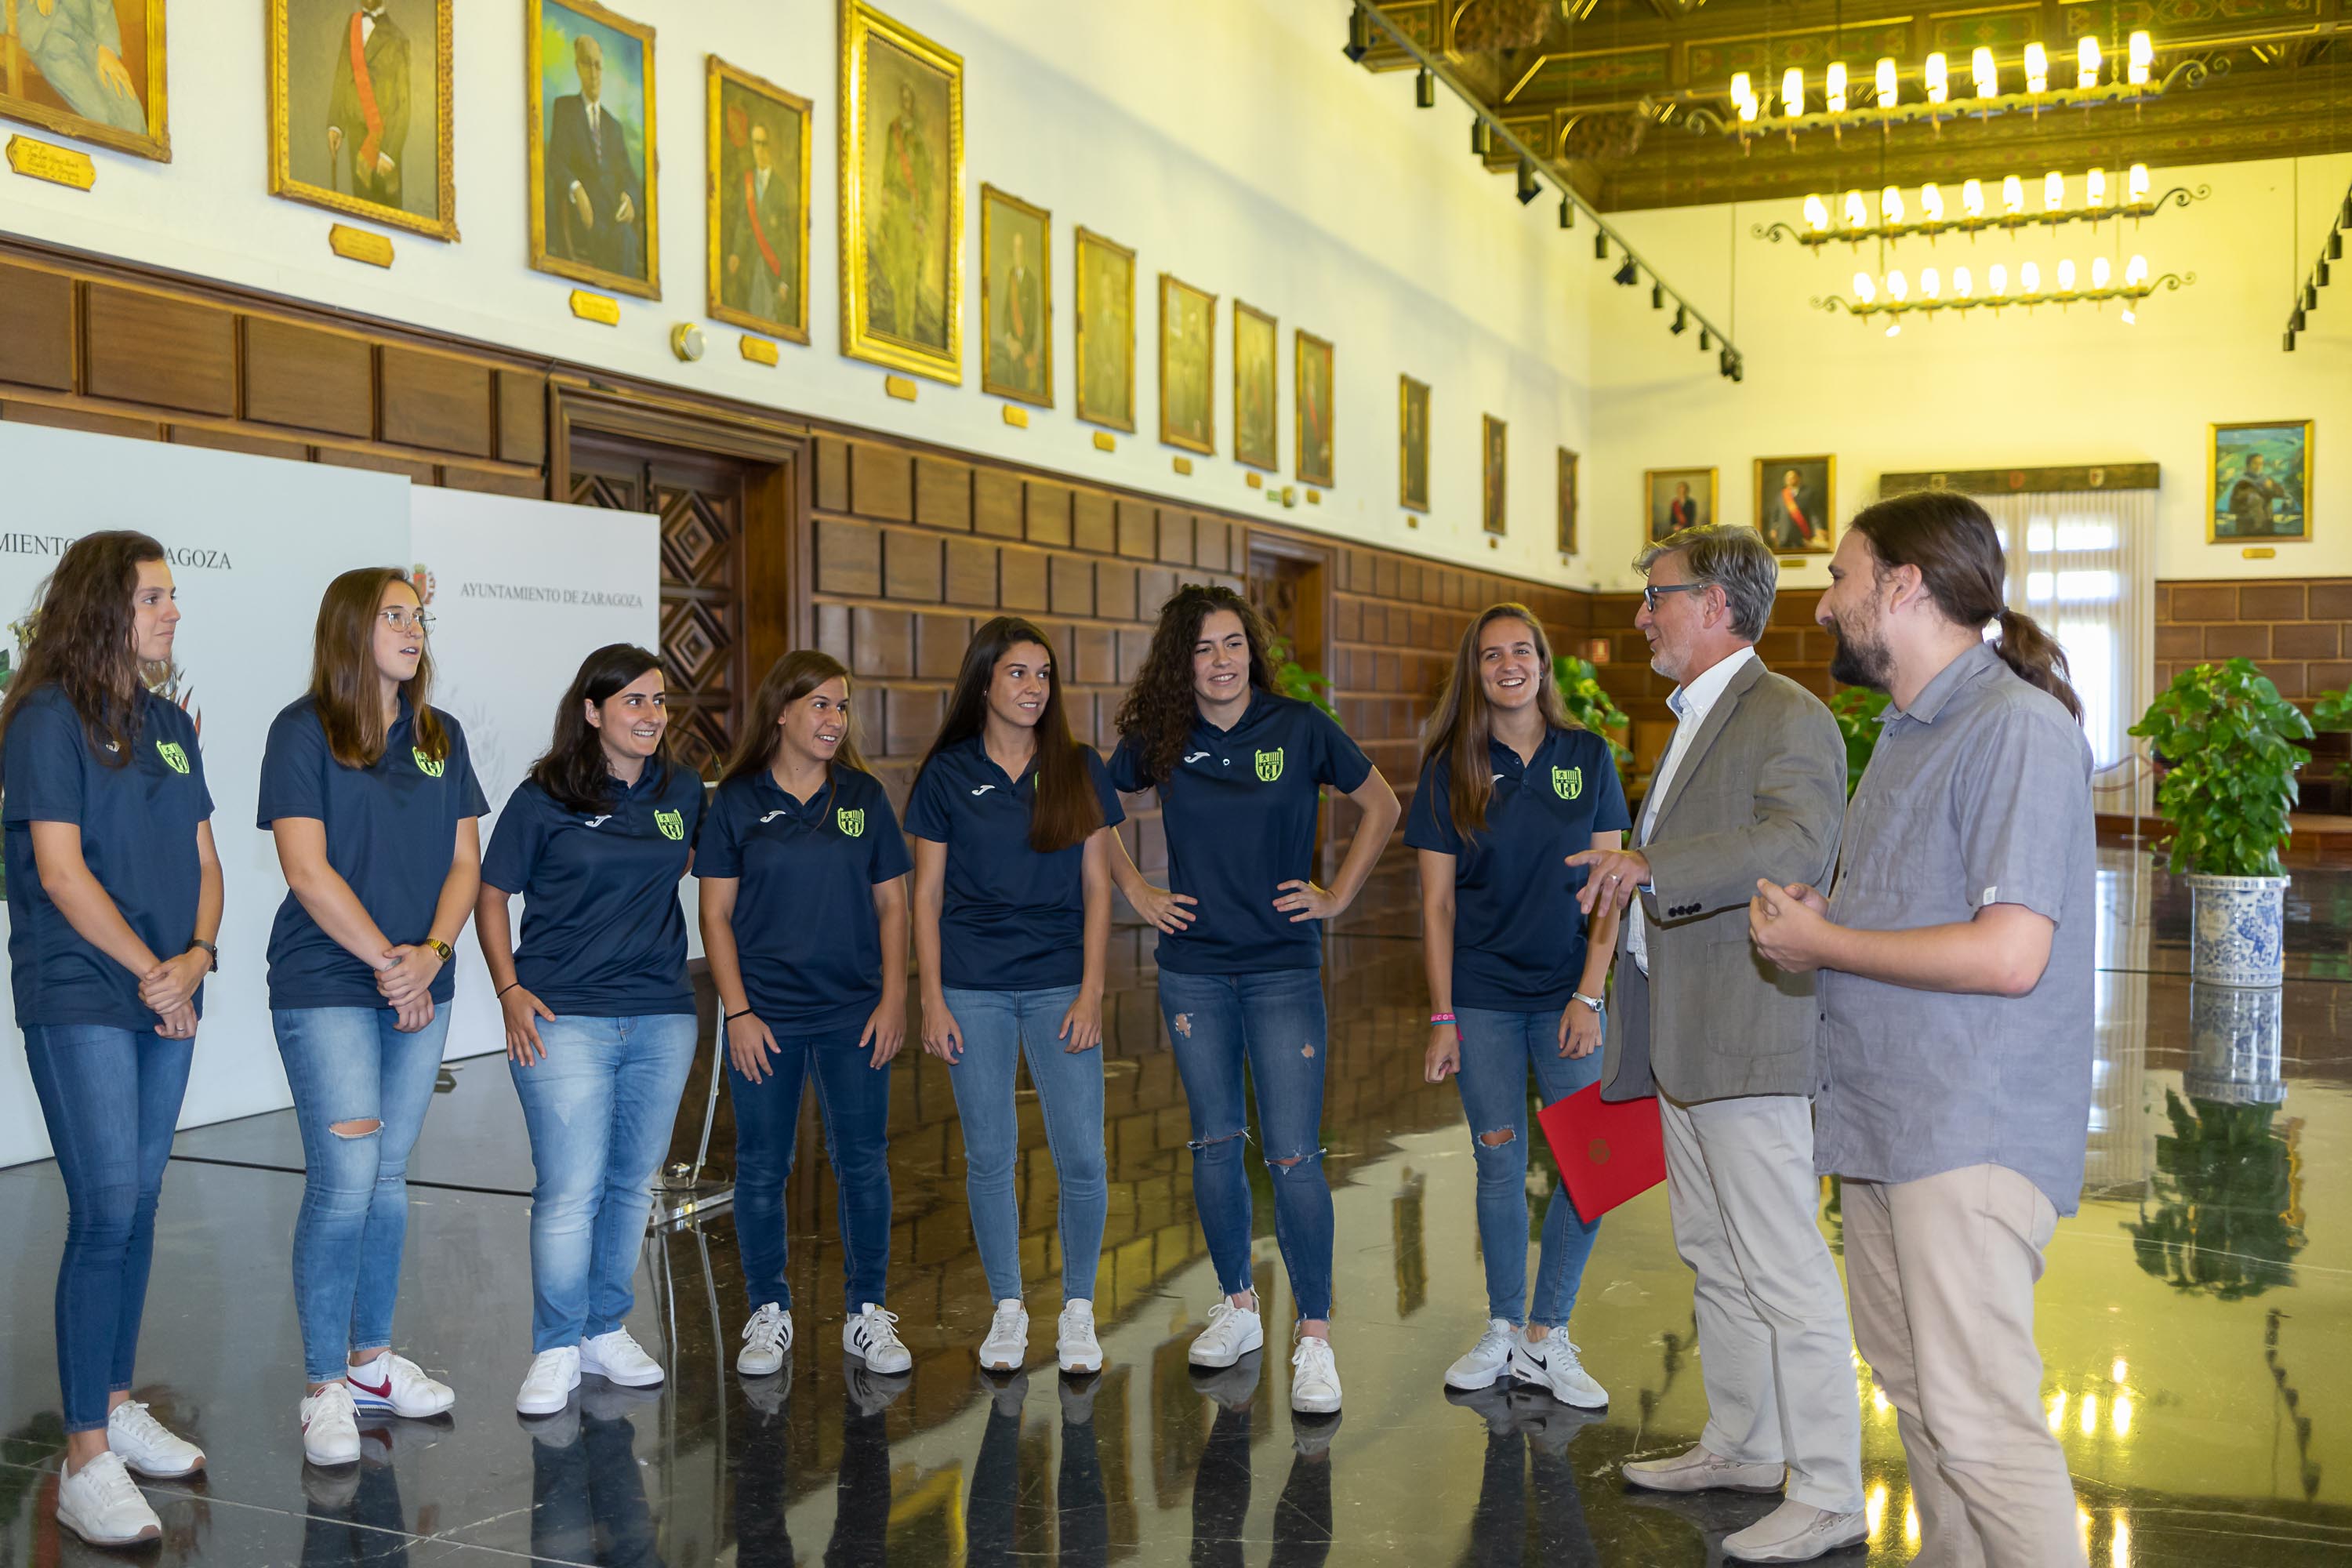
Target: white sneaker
(547,1386)
(1007,1344)
(99,1503)
(618,1358)
(1314,1377)
(146,1446)
(871,1335)
(1233,1333)
(394,1385)
(767,1341)
(1561,1373)
(1485,1361)
(330,1433)
(1074,1341)
(1796,1532)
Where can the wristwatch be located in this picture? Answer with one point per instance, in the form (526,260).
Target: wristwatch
(440,948)
(210,951)
(1593,1002)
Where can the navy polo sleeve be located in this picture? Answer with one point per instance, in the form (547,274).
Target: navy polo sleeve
(516,841)
(293,768)
(44,778)
(204,790)
(926,806)
(472,801)
(889,852)
(1610,813)
(697,803)
(719,851)
(1106,792)
(1127,767)
(1339,761)
(1430,823)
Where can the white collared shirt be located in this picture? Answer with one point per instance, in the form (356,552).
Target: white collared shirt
(1690,704)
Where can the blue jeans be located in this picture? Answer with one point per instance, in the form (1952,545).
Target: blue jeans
(600,1106)
(999,1028)
(346,1065)
(855,1101)
(110,1098)
(1498,1048)
(1270,1026)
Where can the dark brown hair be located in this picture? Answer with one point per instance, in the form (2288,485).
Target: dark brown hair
(84,640)
(1065,809)
(1161,704)
(1463,720)
(343,672)
(574,773)
(789,679)
(1950,538)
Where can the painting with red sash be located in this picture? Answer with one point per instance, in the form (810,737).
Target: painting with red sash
(1796,504)
(360,110)
(759,225)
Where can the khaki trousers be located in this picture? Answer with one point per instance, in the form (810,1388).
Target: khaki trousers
(1941,1274)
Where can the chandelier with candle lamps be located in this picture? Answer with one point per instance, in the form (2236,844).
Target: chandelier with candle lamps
(1976,205)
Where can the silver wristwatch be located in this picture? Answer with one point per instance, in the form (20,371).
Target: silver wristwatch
(1593,1002)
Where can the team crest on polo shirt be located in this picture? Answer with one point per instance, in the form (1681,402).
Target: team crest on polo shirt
(671,823)
(853,822)
(1568,783)
(1269,766)
(174,757)
(429,766)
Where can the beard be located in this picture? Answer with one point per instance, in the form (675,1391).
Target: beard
(1860,659)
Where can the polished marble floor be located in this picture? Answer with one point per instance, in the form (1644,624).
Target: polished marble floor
(2196,1319)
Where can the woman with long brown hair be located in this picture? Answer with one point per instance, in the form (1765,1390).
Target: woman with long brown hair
(369,792)
(1012,821)
(1510,786)
(804,892)
(114,899)
(1239,772)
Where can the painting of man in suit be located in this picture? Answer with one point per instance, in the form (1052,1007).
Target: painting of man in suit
(85,68)
(1412,434)
(594,76)
(1312,357)
(1187,361)
(907,214)
(1494,476)
(1016,298)
(1257,438)
(2261,481)
(1793,502)
(358,109)
(1677,499)
(1106,272)
(367,108)
(759,151)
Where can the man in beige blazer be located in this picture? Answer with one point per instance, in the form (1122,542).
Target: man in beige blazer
(1753,786)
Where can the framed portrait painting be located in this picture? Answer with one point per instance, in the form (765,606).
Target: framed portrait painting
(1314,395)
(901,196)
(1187,364)
(1566,477)
(1412,444)
(1676,498)
(589,82)
(1494,475)
(90,69)
(1258,430)
(758,221)
(2258,481)
(1796,504)
(1016,298)
(1106,273)
(359,110)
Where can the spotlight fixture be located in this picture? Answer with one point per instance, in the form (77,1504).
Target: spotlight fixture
(1424,89)
(2336,244)
(1723,363)
(1706,340)
(1627,274)
(1657,296)
(2310,296)
(1600,245)
(1359,36)
(1482,137)
(1682,320)
(2289,344)
(2294,322)
(1529,188)
(1567,213)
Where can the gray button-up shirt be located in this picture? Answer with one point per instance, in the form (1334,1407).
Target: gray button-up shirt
(1979,794)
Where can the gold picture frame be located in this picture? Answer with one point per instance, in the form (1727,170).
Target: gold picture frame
(1311,417)
(1105,270)
(2287,441)
(102,118)
(594,252)
(1494,476)
(1566,500)
(1257,388)
(920,229)
(390,46)
(1800,520)
(1412,444)
(1188,365)
(740,243)
(1659,496)
(1026,378)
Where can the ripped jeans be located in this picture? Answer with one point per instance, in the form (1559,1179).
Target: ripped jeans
(1271,1026)
(1497,1050)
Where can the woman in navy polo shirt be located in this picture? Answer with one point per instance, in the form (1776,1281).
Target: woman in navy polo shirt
(599,1014)
(371,796)
(1012,823)
(804,890)
(1240,773)
(1509,788)
(114,898)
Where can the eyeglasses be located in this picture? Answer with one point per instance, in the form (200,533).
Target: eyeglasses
(1651,595)
(401,621)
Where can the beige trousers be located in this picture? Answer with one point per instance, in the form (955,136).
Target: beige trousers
(1941,1273)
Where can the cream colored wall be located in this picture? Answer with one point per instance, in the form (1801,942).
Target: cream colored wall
(1979,390)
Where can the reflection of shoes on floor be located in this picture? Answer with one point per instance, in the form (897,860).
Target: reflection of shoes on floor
(767,1394)
(1796,1532)
(375,1442)
(1078,1400)
(605,1401)
(331,1491)
(1697,1470)
(560,1430)
(1312,1435)
(870,1393)
(1230,1386)
(1550,1426)
(1493,1404)
(1006,1393)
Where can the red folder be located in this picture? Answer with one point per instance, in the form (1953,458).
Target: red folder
(1608,1150)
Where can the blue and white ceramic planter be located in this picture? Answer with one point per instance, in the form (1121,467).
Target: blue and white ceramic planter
(2237,931)
(2233,1045)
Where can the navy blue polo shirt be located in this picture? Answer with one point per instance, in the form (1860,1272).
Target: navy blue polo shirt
(1012,919)
(806,936)
(138,828)
(603,934)
(1240,818)
(392,831)
(1518,938)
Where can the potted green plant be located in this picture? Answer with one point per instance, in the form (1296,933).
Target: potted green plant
(2225,739)
(1856,710)
(1581,692)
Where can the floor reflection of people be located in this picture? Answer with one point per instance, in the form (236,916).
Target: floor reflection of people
(354,1513)
(989,1512)
(1083,1507)
(1221,1487)
(761,1459)
(1518,1437)
(861,1512)
(587,1495)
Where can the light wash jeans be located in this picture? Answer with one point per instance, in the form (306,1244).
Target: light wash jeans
(600,1106)
(349,1064)
(1498,1049)
(1001,1028)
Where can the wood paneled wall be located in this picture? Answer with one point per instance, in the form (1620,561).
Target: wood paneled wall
(2299,632)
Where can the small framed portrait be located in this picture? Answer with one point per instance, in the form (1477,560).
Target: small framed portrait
(1106,274)
(90,69)
(1567,480)
(1314,398)
(1677,499)
(1016,298)
(901,196)
(1187,364)
(359,110)
(758,221)
(590,86)
(2258,482)
(1796,504)
(1494,475)
(1257,430)
(1412,444)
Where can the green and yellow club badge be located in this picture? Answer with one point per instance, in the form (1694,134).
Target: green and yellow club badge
(1568,783)
(431,767)
(671,823)
(174,758)
(1269,766)
(853,822)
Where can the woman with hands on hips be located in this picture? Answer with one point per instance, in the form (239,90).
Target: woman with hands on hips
(803,879)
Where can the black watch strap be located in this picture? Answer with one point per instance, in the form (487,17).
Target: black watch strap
(210,951)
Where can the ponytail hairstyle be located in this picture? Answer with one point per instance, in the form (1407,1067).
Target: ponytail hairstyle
(1067,809)
(1161,705)
(343,672)
(573,771)
(1950,538)
(1458,730)
(788,680)
(84,640)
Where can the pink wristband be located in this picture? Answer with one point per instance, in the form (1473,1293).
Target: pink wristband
(1441,1017)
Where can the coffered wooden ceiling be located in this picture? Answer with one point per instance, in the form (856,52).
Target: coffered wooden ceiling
(1610,86)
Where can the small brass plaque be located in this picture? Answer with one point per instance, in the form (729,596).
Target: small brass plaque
(901,387)
(1412,521)
(1314,498)
(1254,481)
(360,245)
(59,165)
(1789,560)
(1183,465)
(1017,417)
(758,351)
(600,308)
(1103,443)
(2258,552)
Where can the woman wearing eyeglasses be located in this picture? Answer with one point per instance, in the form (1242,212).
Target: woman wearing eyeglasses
(372,798)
